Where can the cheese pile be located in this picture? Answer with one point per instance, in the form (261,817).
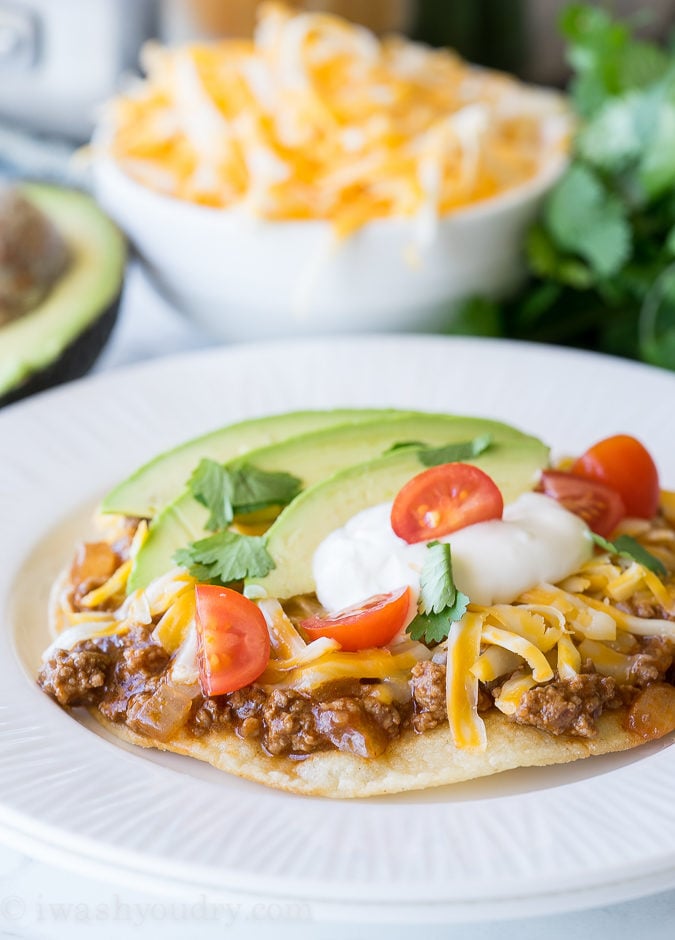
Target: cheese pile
(317,119)
(554,629)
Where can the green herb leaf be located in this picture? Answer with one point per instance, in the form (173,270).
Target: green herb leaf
(404,445)
(226,557)
(229,491)
(586,219)
(211,485)
(628,547)
(440,604)
(476,316)
(450,453)
(437,586)
(255,489)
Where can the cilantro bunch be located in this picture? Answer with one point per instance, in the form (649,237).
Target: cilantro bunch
(602,254)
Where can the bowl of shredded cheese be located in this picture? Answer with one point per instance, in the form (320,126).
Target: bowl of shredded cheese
(316,179)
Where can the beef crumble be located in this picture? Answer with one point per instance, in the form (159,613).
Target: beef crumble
(122,674)
(108,672)
(568,706)
(75,677)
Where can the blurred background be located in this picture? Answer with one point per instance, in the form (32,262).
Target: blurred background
(59,59)
(592,256)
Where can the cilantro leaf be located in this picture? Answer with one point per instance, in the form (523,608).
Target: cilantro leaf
(211,485)
(434,628)
(437,587)
(403,445)
(255,489)
(612,140)
(440,604)
(586,219)
(450,453)
(226,557)
(628,547)
(229,491)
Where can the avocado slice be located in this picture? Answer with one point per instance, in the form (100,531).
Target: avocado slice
(311,457)
(163,479)
(513,464)
(60,338)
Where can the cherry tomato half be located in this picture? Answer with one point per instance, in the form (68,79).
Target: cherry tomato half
(233,643)
(374,622)
(598,505)
(443,499)
(623,463)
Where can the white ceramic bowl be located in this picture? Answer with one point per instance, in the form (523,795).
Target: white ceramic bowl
(248,279)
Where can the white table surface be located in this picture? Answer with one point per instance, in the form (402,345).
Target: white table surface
(40,900)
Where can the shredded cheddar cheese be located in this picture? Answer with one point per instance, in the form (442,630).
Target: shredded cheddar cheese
(466,725)
(317,119)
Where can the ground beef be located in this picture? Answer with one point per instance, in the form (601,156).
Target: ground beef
(427,683)
(568,706)
(289,725)
(644,606)
(109,672)
(137,665)
(211,714)
(347,725)
(388,717)
(292,722)
(652,662)
(75,677)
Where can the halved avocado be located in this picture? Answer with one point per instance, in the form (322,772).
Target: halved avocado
(60,338)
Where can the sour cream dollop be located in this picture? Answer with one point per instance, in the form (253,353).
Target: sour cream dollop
(493,562)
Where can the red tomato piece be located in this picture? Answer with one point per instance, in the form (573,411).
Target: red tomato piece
(233,642)
(373,622)
(443,499)
(598,505)
(623,463)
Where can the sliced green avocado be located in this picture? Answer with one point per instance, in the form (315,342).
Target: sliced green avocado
(311,457)
(60,338)
(514,465)
(163,479)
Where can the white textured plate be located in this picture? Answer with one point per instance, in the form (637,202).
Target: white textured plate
(527,841)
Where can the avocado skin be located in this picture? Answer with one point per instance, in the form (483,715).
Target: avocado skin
(74,362)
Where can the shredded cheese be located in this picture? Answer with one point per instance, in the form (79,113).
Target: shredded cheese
(513,690)
(316,119)
(533,656)
(175,623)
(466,725)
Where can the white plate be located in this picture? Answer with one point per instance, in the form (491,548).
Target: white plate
(524,842)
